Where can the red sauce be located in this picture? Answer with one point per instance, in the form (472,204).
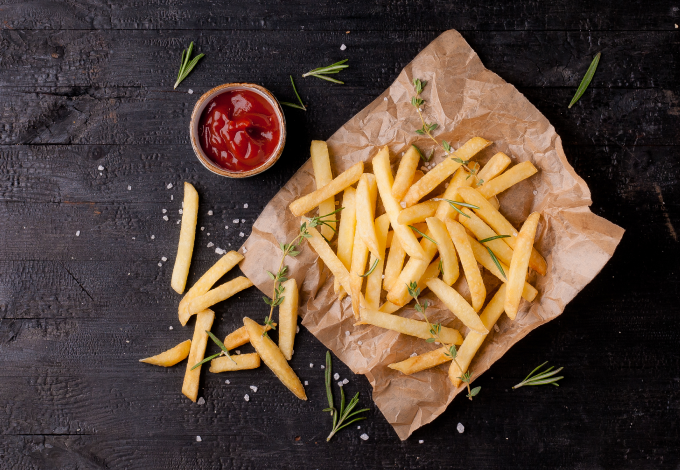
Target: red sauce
(239,130)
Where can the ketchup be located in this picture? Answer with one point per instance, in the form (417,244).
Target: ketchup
(239,130)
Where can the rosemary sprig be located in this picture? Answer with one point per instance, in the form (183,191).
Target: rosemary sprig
(187,66)
(493,255)
(586,80)
(345,411)
(541,378)
(435,336)
(293,105)
(454,205)
(422,234)
(323,72)
(224,349)
(368,273)
(495,237)
(422,155)
(441,267)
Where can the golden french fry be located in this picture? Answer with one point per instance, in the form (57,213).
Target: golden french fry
(520,264)
(459,179)
(344,180)
(489,317)
(421,226)
(239,337)
(444,169)
(288,314)
(514,175)
(423,361)
(321,163)
(467,259)
(407,170)
(365,207)
(346,231)
(482,231)
(431,272)
(374,280)
(500,225)
(218,294)
(273,357)
(482,255)
(389,307)
(495,203)
(203,285)
(417,176)
(319,244)
(235,362)
(494,167)
(418,213)
(447,252)
(407,326)
(412,272)
(359,258)
(187,234)
(395,261)
(204,321)
(171,356)
(383,175)
(457,304)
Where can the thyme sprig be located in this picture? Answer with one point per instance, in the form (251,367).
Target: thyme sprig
(186,66)
(345,413)
(493,255)
(541,378)
(225,351)
(435,336)
(422,155)
(323,72)
(294,105)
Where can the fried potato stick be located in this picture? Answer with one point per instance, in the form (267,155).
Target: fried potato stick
(235,362)
(407,326)
(204,321)
(288,314)
(171,356)
(514,175)
(301,206)
(520,264)
(447,252)
(218,294)
(348,223)
(187,234)
(405,173)
(469,263)
(321,163)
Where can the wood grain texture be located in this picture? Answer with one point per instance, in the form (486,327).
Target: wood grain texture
(89,83)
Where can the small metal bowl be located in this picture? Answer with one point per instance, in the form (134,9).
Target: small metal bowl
(196,116)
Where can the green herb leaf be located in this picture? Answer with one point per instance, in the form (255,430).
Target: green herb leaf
(543,378)
(187,64)
(221,345)
(446,146)
(293,105)
(495,261)
(207,359)
(339,418)
(375,263)
(586,79)
(322,72)
(422,155)
(441,267)
(425,236)
(494,238)
(474,392)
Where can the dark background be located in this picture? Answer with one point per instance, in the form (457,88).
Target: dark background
(85,83)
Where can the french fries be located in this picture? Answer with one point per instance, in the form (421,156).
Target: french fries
(301,206)
(443,170)
(383,176)
(514,175)
(356,281)
(494,167)
(395,261)
(288,314)
(321,163)
(187,234)
(389,307)
(467,259)
(319,244)
(405,173)
(346,231)
(418,213)
(423,361)
(365,209)
(204,321)
(203,285)
(412,272)
(446,249)
(520,264)
(239,337)
(218,294)
(421,226)
(459,179)
(235,362)
(273,357)
(374,280)
(407,326)
(457,304)
(482,231)
(171,356)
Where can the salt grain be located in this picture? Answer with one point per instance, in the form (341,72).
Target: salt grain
(208,234)
(460,428)
(172,197)
(191,92)
(227,382)
(245,250)
(219,251)
(243,221)
(235,221)
(311,365)
(210,244)
(345,381)
(339,384)
(181,211)
(164,259)
(346,333)
(403,204)
(100,168)
(245,206)
(202,228)
(165,217)
(343,47)
(364,437)
(535,192)
(420,441)
(323,366)
(198,439)
(169,186)
(413,355)
(164,211)
(226,227)
(170,328)
(160,264)
(360,343)
(496,329)
(129,188)
(78,233)
(246,397)
(358,427)
(336,376)
(253,388)
(153,237)
(306,383)
(297,329)
(178,221)
(238,351)
(385,98)
(201,401)
(241,234)
(210,212)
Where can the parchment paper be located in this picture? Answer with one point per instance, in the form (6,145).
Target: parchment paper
(466,100)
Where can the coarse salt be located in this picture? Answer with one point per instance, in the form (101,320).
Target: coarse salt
(339,384)
(169,186)
(311,365)
(164,211)
(238,351)
(413,355)
(219,251)
(385,98)
(178,221)
(306,383)
(297,329)
(153,237)
(78,233)
(165,217)
(364,437)
(420,441)
(358,427)
(181,211)
(227,382)
(164,259)
(403,204)
(202,228)
(235,221)
(323,366)
(245,206)
(210,244)
(226,227)
(201,401)
(535,192)
(160,264)
(496,329)
(191,92)
(360,343)
(253,388)
(343,47)
(198,439)
(336,376)
(210,212)
(100,168)
(243,221)
(241,234)
(346,333)
(129,188)
(460,428)
(172,197)
(208,234)
(245,250)
(246,397)
(345,381)
(170,328)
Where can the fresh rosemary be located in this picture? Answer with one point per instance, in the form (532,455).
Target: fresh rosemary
(187,66)
(586,80)
(293,105)
(422,234)
(454,205)
(368,273)
(493,255)
(422,155)
(541,378)
(323,72)
(340,418)
(224,349)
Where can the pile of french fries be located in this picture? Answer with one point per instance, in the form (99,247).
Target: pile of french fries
(198,300)
(379,256)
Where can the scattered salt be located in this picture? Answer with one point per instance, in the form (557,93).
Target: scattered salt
(358,427)
(311,365)
(160,264)
(424,168)
(345,381)
(170,328)
(245,250)
(413,355)
(164,211)
(172,197)
(241,234)
(153,237)
(178,221)
(243,221)
(169,186)
(129,188)
(306,383)
(343,47)
(496,329)
(227,382)
(383,276)
(210,244)
(198,439)
(201,401)
(360,343)
(253,388)
(460,428)
(297,329)
(323,366)
(165,217)
(219,251)
(245,206)
(78,233)
(385,98)
(346,333)
(420,441)
(336,376)
(210,212)
(164,259)
(235,221)
(208,234)
(181,211)
(403,204)
(339,384)
(100,168)
(535,192)
(191,92)
(226,227)
(246,397)
(238,351)
(364,437)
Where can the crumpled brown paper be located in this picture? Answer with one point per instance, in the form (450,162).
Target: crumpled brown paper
(466,100)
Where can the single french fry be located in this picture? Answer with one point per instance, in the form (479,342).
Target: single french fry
(204,321)
(457,304)
(417,176)
(239,337)
(495,203)
(459,179)
(520,264)
(203,285)
(467,351)
(218,294)
(273,357)
(482,231)
(514,175)
(407,170)
(187,234)
(171,356)
(288,314)
(418,213)
(494,167)
(389,307)
(421,226)
(444,169)
(500,225)
(301,206)
(321,163)
(319,244)
(359,259)
(424,361)
(412,272)
(365,208)
(407,326)
(374,280)
(383,175)
(395,261)
(346,231)
(484,258)
(235,362)
(467,259)
(431,272)
(447,251)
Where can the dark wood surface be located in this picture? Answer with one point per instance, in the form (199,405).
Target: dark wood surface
(87,83)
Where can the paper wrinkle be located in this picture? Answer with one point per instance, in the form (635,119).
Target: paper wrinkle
(466,100)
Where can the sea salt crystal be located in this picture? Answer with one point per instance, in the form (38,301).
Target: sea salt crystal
(178,221)
(238,351)
(172,197)
(246,397)
(323,366)
(78,233)
(129,188)
(245,250)
(227,382)
(164,259)
(311,365)
(165,217)
(245,206)
(413,355)
(100,168)
(336,376)
(535,192)
(345,381)
(243,221)
(226,227)
(201,401)
(253,388)
(364,437)
(460,428)
(208,234)
(346,333)
(210,212)
(496,329)
(297,329)
(385,98)
(339,384)
(235,221)
(160,264)
(360,343)
(306,383)
(424,168)
(202,228)
(343,47)
(181,211)
(219,251)
(198,439)
(153,237)
(210,244)
(358,427)
(191,92)
(169,186)
(241,234)
(420,441)
(170,328)
(403,204)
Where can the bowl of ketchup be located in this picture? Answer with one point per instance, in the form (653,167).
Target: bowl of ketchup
(238,130)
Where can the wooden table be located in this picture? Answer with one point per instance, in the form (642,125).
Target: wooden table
(92,135)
